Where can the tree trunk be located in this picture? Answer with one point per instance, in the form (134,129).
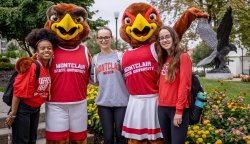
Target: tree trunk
(23,46)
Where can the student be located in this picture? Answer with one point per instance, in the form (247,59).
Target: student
(29,93)
(174,70)
(112,97)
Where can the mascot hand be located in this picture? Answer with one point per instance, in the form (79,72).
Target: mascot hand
(198,13)
(23,64)
(34,57)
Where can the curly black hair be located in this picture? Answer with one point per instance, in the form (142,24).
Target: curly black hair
(40,34)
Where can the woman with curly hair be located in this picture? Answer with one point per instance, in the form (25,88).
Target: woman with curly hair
(31,90)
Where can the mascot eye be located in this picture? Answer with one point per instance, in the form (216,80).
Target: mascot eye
(79,19)
(152,16)
(54,18)
(127,20)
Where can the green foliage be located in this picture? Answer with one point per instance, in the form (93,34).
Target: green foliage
(93,117)
(22,53)
(2,89)
(201,52)
(19,17)
(226,119)
(11,54)
(12,47)
(200,73)
(233,88)
(92,45)
(6,66)
(6,60)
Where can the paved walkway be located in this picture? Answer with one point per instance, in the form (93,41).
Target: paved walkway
(3,107)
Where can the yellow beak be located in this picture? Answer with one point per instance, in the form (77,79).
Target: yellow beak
(67,29)
(141,29)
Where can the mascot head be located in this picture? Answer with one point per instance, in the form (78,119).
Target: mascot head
(69,23)
(140,24)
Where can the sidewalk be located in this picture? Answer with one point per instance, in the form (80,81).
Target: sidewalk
(3,107)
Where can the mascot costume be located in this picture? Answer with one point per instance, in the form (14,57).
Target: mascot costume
(66,110)
(140,28)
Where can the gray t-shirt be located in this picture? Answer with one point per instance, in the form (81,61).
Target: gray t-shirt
(112,88)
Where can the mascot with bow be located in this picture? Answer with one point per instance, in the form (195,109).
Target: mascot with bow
(140,27)
(66,110)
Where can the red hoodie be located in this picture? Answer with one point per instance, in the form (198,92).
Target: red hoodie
(33,92)
(175,94)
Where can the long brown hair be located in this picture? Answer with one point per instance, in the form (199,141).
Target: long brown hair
(175,53)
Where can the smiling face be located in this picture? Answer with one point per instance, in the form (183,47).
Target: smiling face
(104,39)
(44,50)
(140,24)
(165,39)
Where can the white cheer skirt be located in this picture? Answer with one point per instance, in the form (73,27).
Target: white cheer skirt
(141,119)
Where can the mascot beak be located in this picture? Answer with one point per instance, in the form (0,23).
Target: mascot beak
(141,29)
(67,29)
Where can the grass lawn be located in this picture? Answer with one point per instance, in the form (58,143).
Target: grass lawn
(234,88)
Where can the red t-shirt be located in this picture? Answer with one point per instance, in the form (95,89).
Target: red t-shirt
(140,70)
(31,91)
(175,94)
(69,73)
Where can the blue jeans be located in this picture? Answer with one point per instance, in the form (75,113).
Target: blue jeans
(24,127)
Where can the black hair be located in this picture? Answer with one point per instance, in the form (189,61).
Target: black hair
(37,35)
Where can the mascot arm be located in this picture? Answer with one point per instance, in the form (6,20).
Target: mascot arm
(23,64)
(186,19)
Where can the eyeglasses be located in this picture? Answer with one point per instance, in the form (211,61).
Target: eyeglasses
(101,38)
(167,37)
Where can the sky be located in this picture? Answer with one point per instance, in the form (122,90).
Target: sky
(108,7)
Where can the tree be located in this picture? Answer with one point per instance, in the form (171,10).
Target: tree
(172,9)
(19,17)
(12,47)
(200,52)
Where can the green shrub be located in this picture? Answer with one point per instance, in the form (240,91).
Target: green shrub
(11,54)
(226,120)
(2,89)
(200,73)
(6,66)
(6,60)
